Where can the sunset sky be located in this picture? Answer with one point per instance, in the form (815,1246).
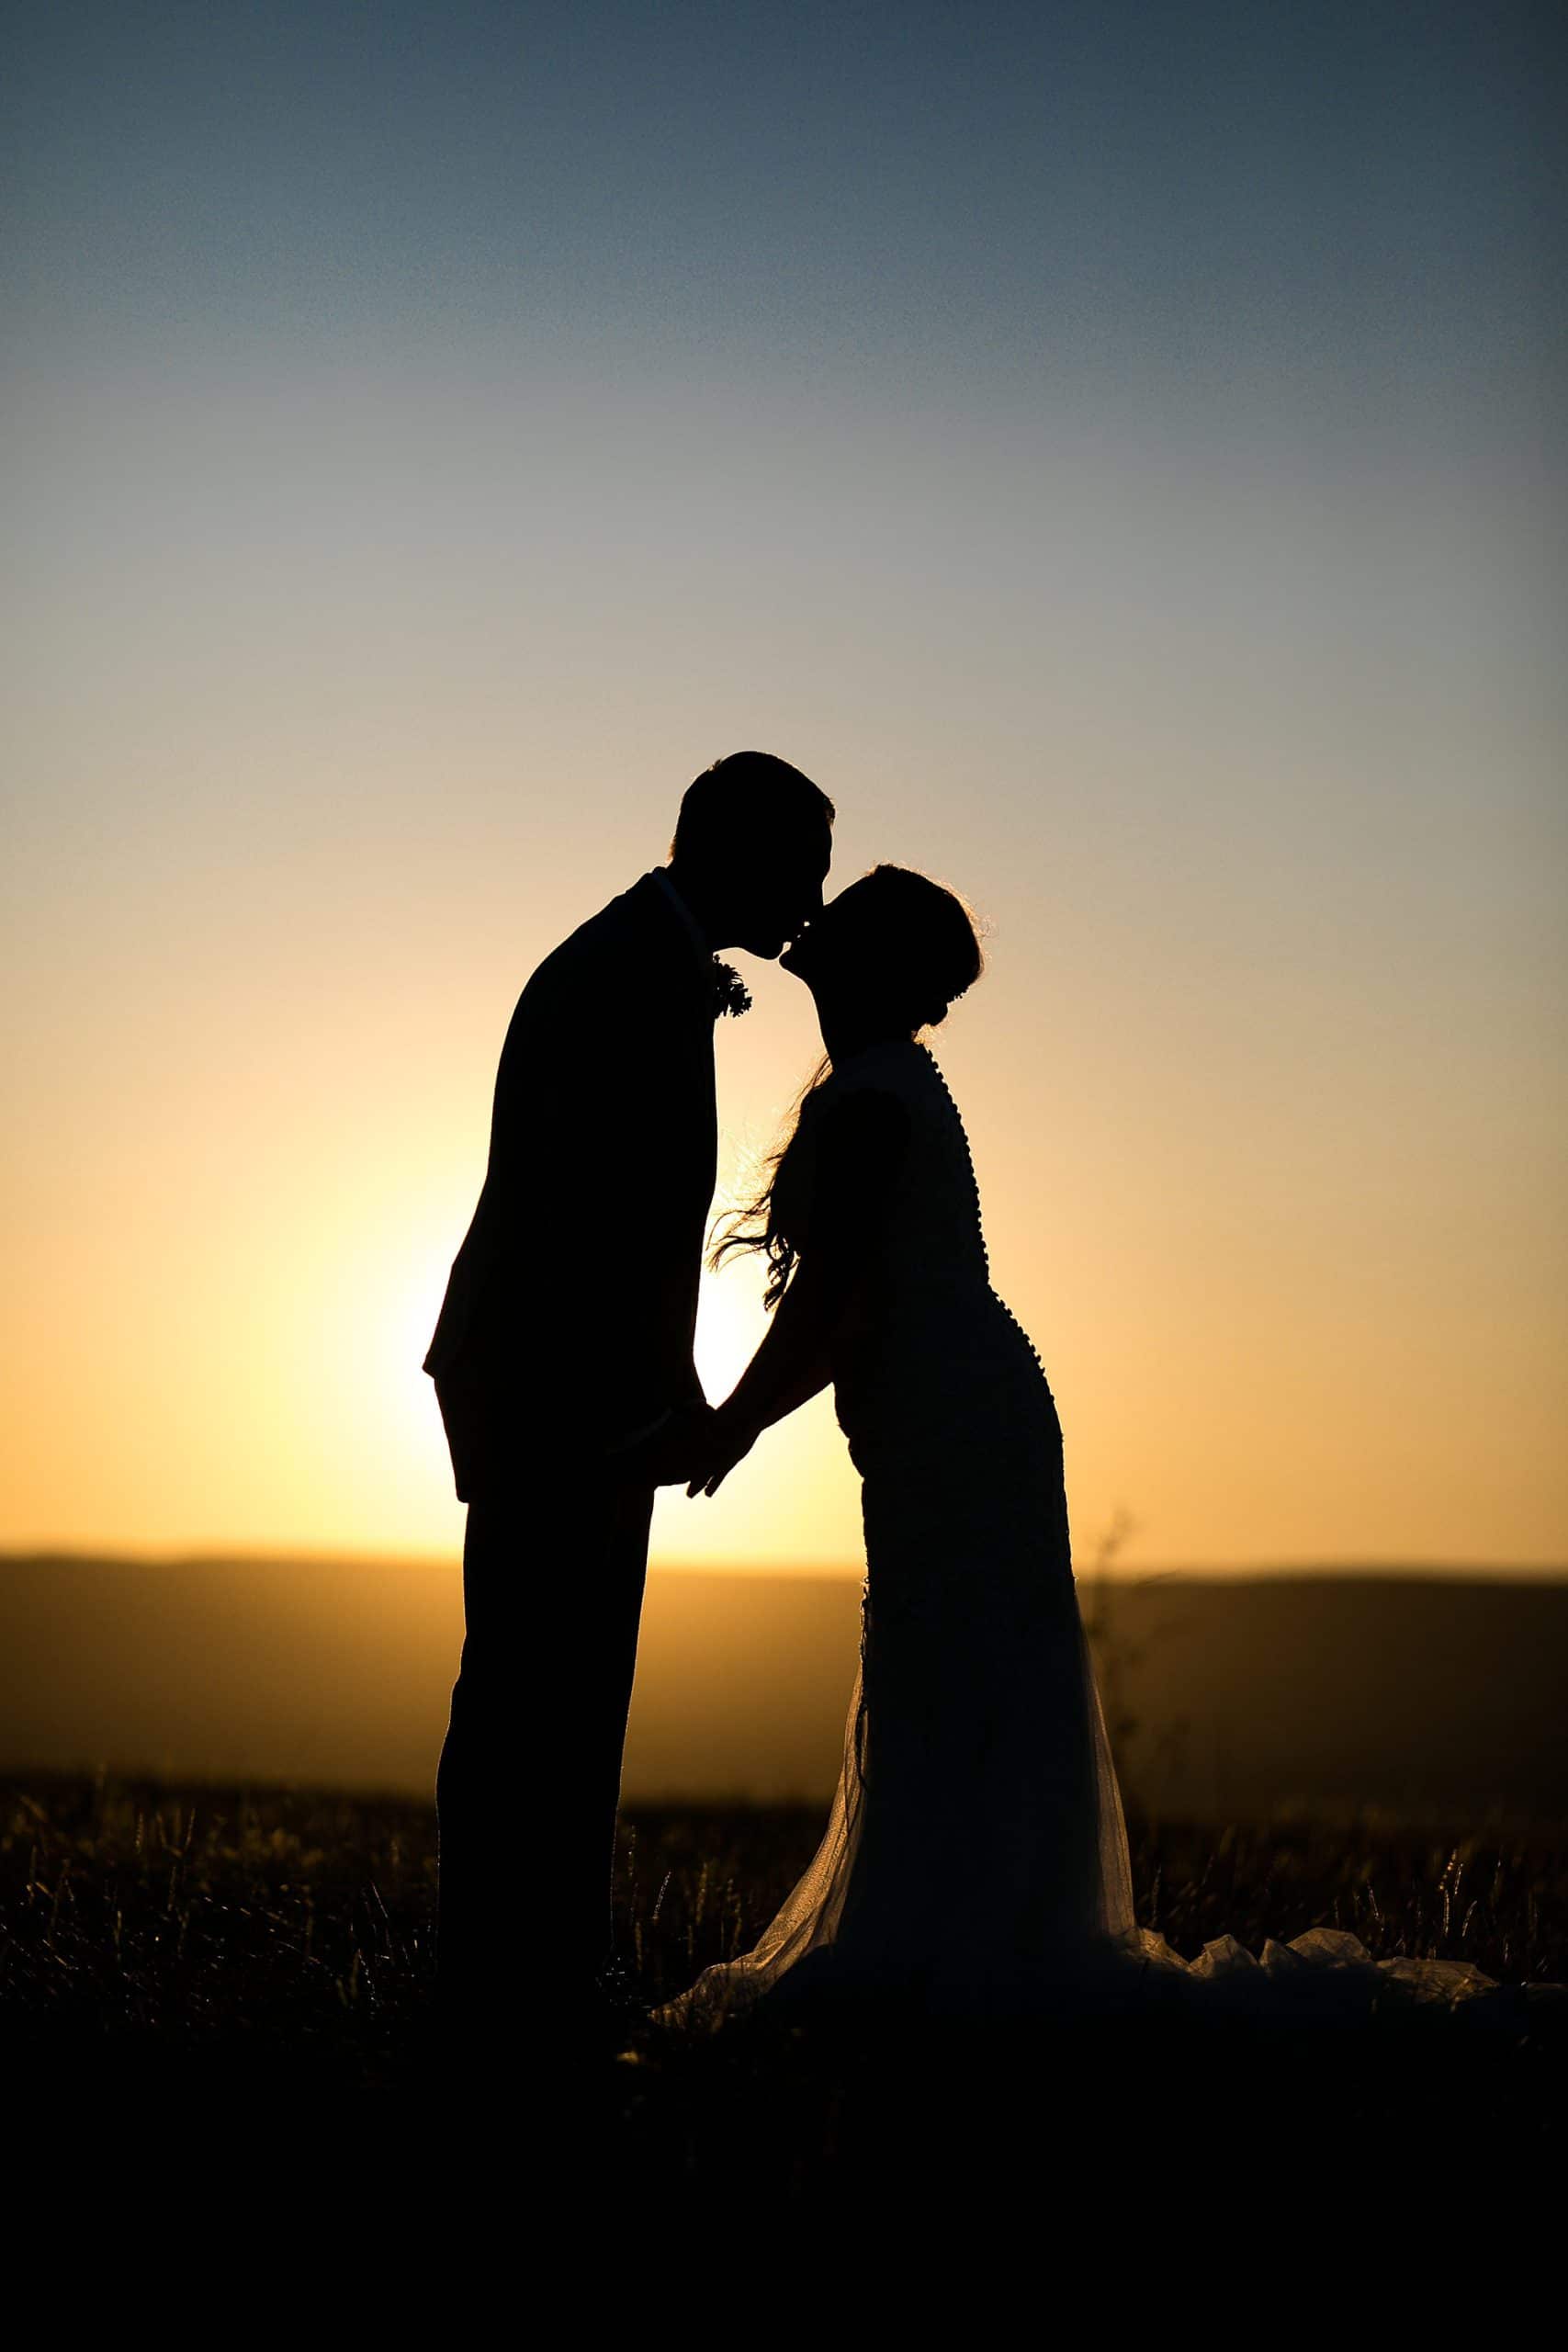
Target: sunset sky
(1116,450)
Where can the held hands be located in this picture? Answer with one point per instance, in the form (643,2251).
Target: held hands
(672,1453)
(728,1440)
(696,1447)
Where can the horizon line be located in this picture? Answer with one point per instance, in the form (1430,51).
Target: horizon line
(837,1572)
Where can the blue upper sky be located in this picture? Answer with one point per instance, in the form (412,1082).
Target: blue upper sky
(1350,202)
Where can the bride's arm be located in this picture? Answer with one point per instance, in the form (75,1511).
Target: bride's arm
(859,1152)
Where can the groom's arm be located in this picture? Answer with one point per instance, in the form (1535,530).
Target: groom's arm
(597,1193)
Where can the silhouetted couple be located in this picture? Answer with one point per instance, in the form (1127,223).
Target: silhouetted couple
(975,1858)
(967,1833)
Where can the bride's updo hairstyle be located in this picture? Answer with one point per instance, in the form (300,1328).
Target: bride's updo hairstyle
(912,943)
(894,951)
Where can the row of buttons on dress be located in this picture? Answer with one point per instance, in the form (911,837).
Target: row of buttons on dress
(974,1192)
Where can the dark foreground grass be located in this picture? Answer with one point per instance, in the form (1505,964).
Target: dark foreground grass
(266,1949)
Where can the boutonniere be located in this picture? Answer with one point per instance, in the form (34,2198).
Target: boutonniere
(730,993)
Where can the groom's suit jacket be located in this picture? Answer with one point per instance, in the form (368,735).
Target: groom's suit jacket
(568,1321)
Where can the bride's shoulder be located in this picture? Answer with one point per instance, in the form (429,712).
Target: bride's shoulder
(864,1109)
(860,1142)
(899,1069)
(894,1066)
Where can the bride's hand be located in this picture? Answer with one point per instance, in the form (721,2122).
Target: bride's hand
(728,1440)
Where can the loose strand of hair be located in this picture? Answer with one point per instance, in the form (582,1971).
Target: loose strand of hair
(753,1228)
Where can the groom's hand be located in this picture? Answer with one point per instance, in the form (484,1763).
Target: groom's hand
(670,1454)
(729,1440)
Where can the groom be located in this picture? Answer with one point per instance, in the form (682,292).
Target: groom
(562,1363)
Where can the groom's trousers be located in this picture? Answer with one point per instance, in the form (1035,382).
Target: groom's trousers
(530,1773)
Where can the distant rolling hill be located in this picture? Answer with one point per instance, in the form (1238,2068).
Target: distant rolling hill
(1229,1695)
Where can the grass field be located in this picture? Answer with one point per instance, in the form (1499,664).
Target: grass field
(268,1948)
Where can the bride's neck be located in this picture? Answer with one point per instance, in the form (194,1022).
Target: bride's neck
(844,1034)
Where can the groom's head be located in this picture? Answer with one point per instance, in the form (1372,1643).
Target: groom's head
(752,846)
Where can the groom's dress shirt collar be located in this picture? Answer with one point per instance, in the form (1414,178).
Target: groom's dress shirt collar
(662,875)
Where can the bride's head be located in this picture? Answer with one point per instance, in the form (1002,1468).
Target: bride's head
(885,957)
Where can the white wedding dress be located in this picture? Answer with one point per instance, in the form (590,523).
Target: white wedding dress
(975,1858)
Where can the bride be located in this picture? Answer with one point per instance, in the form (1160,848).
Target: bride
(975,1858)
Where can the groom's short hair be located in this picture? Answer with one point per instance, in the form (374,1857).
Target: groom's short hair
(747,793)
